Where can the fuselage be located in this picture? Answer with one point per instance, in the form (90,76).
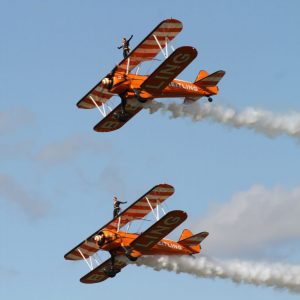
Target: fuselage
(119,241)
(131,83)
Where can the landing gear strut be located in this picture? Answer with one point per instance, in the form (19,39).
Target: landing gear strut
(112,271)
(123,115)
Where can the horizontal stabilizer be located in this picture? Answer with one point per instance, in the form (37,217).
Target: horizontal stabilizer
(210,80)
(192,240)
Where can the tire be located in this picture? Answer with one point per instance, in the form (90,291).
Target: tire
(142,100)
(131,258)
(110,273)
(122,116)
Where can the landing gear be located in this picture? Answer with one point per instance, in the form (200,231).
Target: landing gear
(123,115)
(138,97)
(210,99)
(111,272)
(129,256)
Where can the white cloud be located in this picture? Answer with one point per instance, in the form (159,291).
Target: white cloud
(15,118)
(30,204)
(252,221)
(69,148)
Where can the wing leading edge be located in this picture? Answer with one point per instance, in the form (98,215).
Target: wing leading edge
(137,210)
(169,69)
(158,230)
(164,32)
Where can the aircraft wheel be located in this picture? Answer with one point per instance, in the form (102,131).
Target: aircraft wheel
(111,272)
(130,257)
(123,116)
(210,99)
(142,100)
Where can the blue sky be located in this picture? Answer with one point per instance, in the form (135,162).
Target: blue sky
(58,176)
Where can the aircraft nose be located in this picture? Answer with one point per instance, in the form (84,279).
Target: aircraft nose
(106,82)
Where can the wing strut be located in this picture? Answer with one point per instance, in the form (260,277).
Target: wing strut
(155,216)
(93,261)
(90,264)
(128,64)
(165,53)
(102,111)
(138,210)
(119,222)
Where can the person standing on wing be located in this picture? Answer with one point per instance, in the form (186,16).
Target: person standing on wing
(117,208)
(125,46)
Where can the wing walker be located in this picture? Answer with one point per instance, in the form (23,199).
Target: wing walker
(134,89)
(124,246)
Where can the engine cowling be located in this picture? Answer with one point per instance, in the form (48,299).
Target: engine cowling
(106,237)
(100,239)
(107,82)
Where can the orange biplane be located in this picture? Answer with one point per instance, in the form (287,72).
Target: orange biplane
(134,89)
(121,244)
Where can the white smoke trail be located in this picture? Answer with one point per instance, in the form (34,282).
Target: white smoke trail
(259,120)
(276,275)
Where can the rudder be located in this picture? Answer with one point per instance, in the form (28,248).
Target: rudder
(187,239)
(201,74)
(210,80)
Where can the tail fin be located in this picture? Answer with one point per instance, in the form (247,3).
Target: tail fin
(188,240)
(201,75)
(209,80)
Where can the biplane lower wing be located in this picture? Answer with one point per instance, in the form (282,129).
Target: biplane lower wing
(112,121)
(169,69)
(98,94)
(138,210)
(99,274)
(158,231)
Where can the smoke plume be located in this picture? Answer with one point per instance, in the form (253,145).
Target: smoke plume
(259,120)
(276,275)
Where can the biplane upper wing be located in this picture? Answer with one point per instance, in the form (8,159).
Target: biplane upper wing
(169,69)
(138,210)
(98,274)
(156,40)
(158,230)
